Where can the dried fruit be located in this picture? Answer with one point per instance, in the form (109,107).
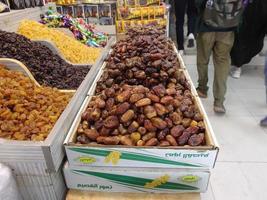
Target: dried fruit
(122,108)
(171,140)
(143,102)
(160,109)
(176,131)
(111,122)
(136,97)
(135,136)
(73,50)
(128,116)
(28,112)
(158,123)
(125,140)
(92,134)
(150,112)
(133,127)
(196,139)
(148,136)
(111,140)
(153,97)
(152,142)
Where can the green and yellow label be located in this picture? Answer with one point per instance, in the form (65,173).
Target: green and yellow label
(86,159)
(190,178)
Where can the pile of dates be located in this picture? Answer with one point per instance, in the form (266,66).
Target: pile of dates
(143,97)
(146,57)
(139,116)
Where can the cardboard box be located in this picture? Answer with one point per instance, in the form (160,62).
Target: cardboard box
(138,180)
(201,157)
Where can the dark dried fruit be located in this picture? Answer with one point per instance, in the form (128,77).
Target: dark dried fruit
(122,108)
(92,134)
(176,131)
(111,122)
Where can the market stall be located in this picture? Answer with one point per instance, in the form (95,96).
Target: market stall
(125,113)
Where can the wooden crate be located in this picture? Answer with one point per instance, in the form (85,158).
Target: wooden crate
(85,195)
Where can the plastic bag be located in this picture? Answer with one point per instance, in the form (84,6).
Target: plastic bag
(8,186)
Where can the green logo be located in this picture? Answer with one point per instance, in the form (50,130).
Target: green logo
(190,178)
(86,159)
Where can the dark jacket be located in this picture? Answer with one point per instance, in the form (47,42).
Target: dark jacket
(200,25)
(249,37)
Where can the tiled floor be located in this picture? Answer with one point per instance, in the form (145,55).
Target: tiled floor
(241,169)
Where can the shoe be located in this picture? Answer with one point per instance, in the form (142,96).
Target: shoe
(219,109)
(202,94)
(191,41)
(236,72)
(263,122)
(181,52)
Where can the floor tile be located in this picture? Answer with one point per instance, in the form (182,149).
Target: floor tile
(208,195)
(234,181)
(239,138)
(256,179)
(254,100)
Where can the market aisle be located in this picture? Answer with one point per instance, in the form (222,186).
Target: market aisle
(240,172)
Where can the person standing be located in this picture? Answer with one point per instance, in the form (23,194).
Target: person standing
(182,6)
(263,122)
(215,34)
(249,37)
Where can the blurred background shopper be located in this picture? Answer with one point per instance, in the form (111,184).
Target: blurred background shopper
(217,20)
(182,7)
(249,37)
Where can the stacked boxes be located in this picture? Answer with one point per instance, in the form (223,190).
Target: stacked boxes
(139,169)
(93,13)
(140,12)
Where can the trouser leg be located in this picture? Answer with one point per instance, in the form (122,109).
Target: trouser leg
(221,59)
(205,42)
(179,13)
(191,15)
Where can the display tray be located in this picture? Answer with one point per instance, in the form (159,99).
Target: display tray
(15,65)
(49,153)
(137,180)
(55,50)
(200,157)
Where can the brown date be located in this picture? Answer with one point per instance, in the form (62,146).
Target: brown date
(152,142)
(158,123)
(196,139)
(176,118)
(160,109)
(111,122)
(153,97)
(128,116)
(136,97)
(176,131)
(122,108)
(171,140)
(92,134)
(150,112)
(143,102)
(149,126)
